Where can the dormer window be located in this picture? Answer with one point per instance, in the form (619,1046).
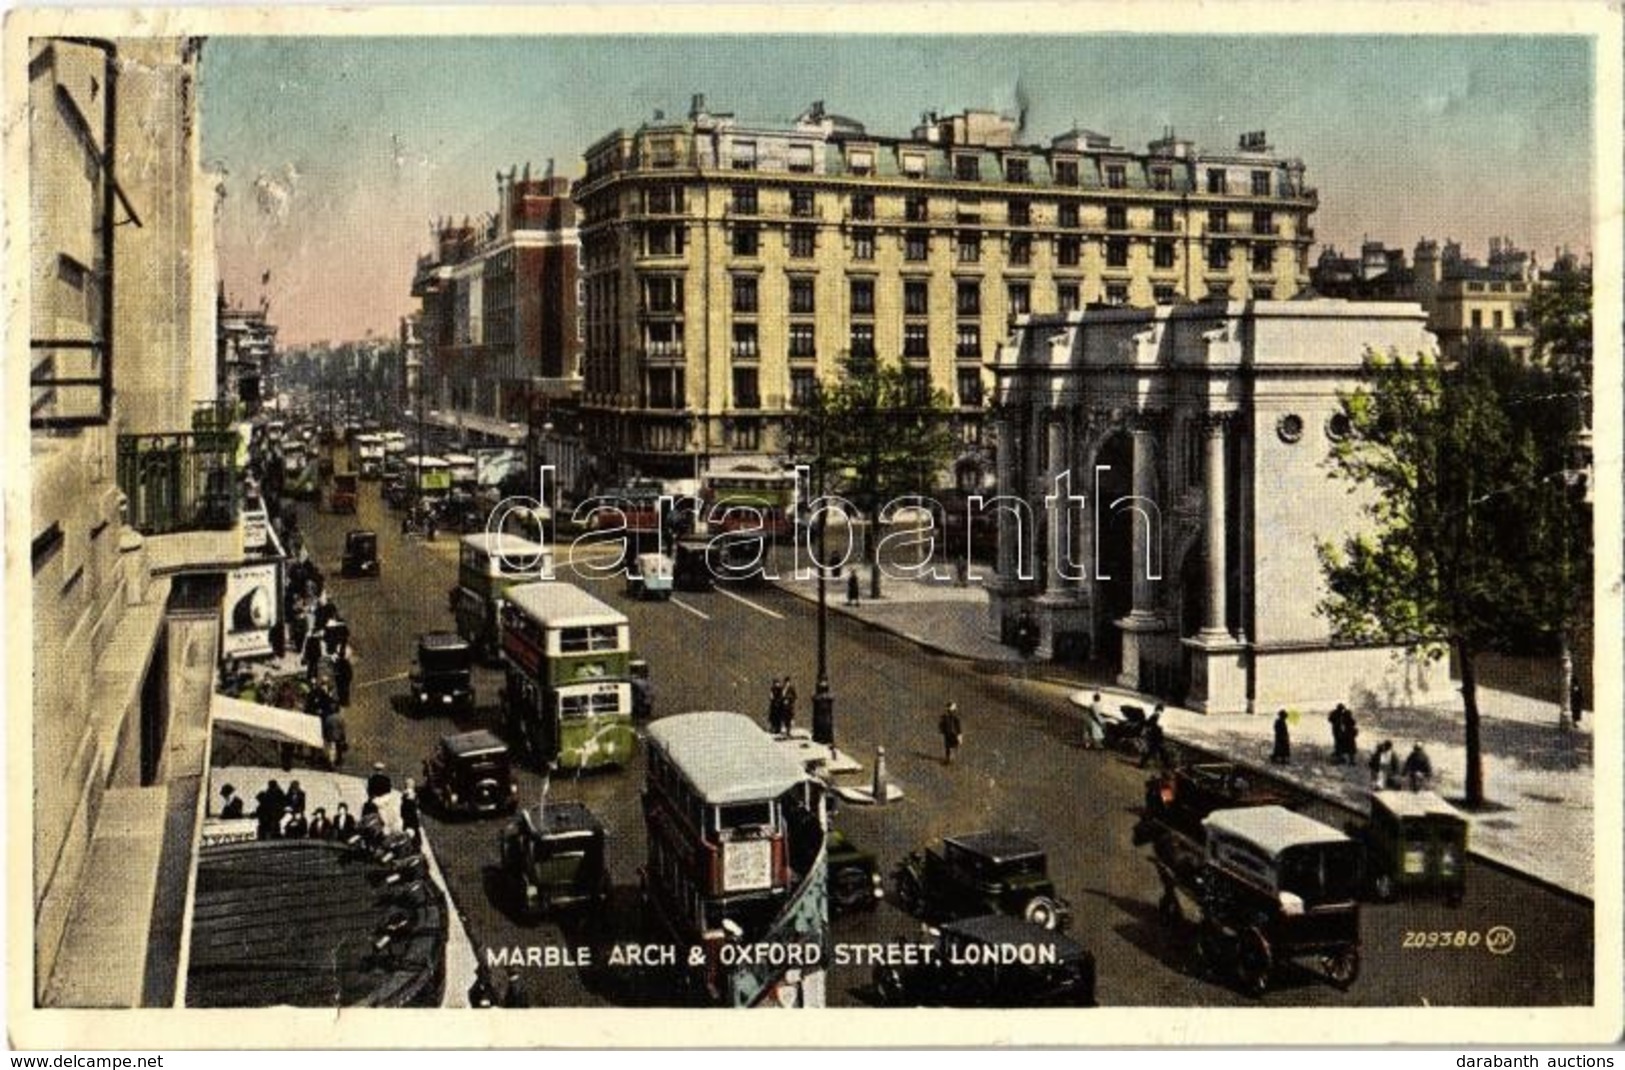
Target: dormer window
(744,156)
(914,164)
(1066,172)
(801,158)
(1016,169)
(967,168)
(861,161)
(1116,176)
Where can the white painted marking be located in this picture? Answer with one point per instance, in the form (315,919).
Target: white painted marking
(383,680)
(747,602)
(680,604)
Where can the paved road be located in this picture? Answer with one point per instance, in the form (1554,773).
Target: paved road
(1020,768)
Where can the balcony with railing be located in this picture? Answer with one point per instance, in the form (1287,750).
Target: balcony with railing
(185,481)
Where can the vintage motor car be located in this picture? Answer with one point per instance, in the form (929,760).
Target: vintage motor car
(443,676)
(991,961)
(1276,886)
(341,495)
(981,873)
(649,576)
(471,773)
(1415,843)
(554,855)
(1180,800)
(854,876)
(360,554)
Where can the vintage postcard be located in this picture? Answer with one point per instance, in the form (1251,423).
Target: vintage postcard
(1053,524)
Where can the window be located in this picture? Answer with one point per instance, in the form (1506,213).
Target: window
(663,241)
(803,345)
(863,297)
(1164,293)
(1478,319)
(801,158)
(915,209)
(1067,215)
(1021,249)
(744,200)
(746,395)
(969,384)
(1162,254)
(663,340)
(1498,321)
(1263,293)
(915,245)
(744,155)
(861,161)
(1216,181)
(1021,298)
(1264,222)
(916,299)
(1069,251)
(1261,183)
(970,247)
(662,294)
(1263,258)
(662,200)
(1066,172)
(917,385)
(1021,213)
(1066,297)
(916,340)
(745,294)
(1116,217)
(863,341)
(745,347)
(1117,252)
(967,168)
(663,153)
(1162,178)
(913,165)
(1162,219)
(1117,293)
(801,296)
(968,298)
(1218,254)
(863,206)
(802,241)
(747,241)
(803,387)
(968,341)
(746,435)
(1116,176)
(801,203)
(1218,221)
(666,388)
(1015,170)
(863,243)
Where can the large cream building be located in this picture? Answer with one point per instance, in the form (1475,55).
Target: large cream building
(728,266)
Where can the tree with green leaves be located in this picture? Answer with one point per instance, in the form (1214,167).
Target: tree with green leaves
(1464,469)
(878,434)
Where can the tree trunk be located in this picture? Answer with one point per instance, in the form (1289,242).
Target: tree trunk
(1469,698)
(872,546)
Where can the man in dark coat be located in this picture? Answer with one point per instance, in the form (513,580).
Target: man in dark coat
(344,823)
(1282,754)
(787,718)
(231,804)
(1155,741)
(271,804)
(953,732)
(775,707)
(321,827)
(295,797)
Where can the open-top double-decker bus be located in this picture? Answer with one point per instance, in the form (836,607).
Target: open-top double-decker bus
(567,697)
(738,861)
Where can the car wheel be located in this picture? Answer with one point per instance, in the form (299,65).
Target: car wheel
(908,892)
(851,888)
(1042,912)
(1344,967)
(889,984)
(1254,961)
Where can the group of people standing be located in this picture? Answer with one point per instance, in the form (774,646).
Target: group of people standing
(781,706)
(280,813)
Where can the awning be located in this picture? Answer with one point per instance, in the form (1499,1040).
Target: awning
(266,722)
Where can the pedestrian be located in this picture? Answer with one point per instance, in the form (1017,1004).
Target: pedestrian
(515,995)
(410,818)
(312,655)
(853,587)
(321,826)
(296,797)
(953,732)
(338,638)
(294,826)
(1155,742)
(1576,696)
(335,737)
(231,804)
(1351,736)
(1282,754)
(378,783)
(1378,757)
(788,716)
(1418,770)
(1339,745)
(1094,725)
(344,825)
(482,993)
(775,706)
(271,803)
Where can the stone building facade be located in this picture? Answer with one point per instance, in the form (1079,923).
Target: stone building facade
(1170,466)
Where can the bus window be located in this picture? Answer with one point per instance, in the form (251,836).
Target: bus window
(589,639)
(745,815)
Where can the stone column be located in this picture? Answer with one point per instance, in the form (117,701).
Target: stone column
(1055,527)
(1005,466)
(1145,489)
(1215,619)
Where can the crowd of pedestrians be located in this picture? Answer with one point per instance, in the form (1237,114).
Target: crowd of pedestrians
(281,813)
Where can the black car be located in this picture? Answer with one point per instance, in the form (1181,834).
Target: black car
(471,773)
(854,877)
(443,678)
(554,855)
(989,961)
(360,554)
(981,873)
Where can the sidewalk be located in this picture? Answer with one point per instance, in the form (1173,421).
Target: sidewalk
(1538,777)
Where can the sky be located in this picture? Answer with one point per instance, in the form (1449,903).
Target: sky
(338,152)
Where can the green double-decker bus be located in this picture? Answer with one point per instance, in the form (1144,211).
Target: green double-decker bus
(567,697)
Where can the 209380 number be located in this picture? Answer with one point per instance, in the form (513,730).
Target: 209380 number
(1431,939)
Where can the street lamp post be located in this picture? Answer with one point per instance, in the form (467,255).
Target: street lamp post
(823,698)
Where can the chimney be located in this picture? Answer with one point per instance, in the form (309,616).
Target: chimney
(697,106)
